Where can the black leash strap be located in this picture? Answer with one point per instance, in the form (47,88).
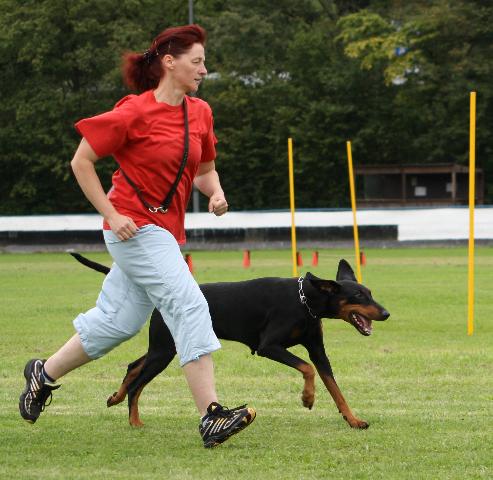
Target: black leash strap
(163,208)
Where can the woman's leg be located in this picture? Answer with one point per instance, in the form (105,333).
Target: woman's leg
(200,378)
(121,310)
(157,266)
(71,356)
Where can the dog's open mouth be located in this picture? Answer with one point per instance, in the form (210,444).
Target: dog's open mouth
(361,323)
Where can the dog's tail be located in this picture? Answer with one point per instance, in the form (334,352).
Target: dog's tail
(89,263)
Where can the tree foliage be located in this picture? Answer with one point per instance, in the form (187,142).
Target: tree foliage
(445,50)
(393,77)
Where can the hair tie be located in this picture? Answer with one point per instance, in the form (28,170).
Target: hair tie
(148,56)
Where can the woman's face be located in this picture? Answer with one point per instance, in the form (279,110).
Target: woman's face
(189,69)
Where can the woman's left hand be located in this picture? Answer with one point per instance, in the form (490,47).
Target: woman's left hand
(218,204)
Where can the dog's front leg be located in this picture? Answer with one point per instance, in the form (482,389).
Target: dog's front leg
(322,364)
(281,355)
(341,403)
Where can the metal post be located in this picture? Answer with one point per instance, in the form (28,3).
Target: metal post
(190,11)
(454,186)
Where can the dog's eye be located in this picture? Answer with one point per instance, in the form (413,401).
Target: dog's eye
(363,296)
(358,297)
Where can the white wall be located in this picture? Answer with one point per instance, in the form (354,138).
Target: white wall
(413,224)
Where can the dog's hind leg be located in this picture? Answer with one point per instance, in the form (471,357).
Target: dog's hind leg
(154,365)
(133,408)
(133,370)
(159,355)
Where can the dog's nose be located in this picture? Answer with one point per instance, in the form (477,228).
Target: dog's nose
(385,314)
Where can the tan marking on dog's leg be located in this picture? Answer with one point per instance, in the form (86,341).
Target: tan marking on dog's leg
(341,403)
(133,414)
(308,394)
(119,396)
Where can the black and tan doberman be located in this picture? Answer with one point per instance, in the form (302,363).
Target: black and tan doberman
(269,315)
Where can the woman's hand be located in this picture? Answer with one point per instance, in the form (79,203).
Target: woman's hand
(218,204)
(123,227)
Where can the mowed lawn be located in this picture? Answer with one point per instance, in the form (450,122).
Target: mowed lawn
(422,383)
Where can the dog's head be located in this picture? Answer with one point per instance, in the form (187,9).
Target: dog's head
(344,298)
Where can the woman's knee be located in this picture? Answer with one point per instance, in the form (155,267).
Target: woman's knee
(100,333)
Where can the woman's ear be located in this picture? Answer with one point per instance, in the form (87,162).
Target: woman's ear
(168,61)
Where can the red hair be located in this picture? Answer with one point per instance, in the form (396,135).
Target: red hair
(143,71)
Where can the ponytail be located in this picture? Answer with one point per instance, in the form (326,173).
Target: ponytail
(141,73)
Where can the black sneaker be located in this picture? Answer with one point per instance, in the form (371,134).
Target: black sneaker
(37,392)
(220,423)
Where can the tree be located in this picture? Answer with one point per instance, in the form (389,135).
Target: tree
(431,54)
(60,62)
(392,77)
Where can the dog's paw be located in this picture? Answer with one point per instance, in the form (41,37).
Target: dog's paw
(116,398)
(136,423)
(361,425)
(307,399)
(111,400)
(357,423)
(134,420)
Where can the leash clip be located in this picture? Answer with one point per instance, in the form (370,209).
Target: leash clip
(157,209)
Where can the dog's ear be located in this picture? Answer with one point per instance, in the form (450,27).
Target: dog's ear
(329,286)
(345,272)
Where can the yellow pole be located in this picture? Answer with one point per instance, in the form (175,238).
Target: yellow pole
(291,205)
(353,206)
(472,195)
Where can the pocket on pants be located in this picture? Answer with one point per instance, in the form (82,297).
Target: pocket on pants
(110,237)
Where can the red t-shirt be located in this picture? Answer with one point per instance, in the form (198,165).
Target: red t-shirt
(146,138)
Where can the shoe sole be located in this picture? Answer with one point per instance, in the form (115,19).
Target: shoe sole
(215,441)
(27,376)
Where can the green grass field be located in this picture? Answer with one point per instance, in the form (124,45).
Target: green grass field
(425,387)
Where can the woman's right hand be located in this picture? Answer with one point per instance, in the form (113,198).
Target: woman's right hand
(123,227)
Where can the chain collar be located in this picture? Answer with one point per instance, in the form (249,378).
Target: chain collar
(303,298)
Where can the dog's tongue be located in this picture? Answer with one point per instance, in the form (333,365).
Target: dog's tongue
(364,324)
(367,324)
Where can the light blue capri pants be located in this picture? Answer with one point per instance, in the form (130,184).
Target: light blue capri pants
(149,272)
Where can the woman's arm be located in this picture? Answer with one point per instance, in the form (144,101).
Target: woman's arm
(85,173)
(207,181)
